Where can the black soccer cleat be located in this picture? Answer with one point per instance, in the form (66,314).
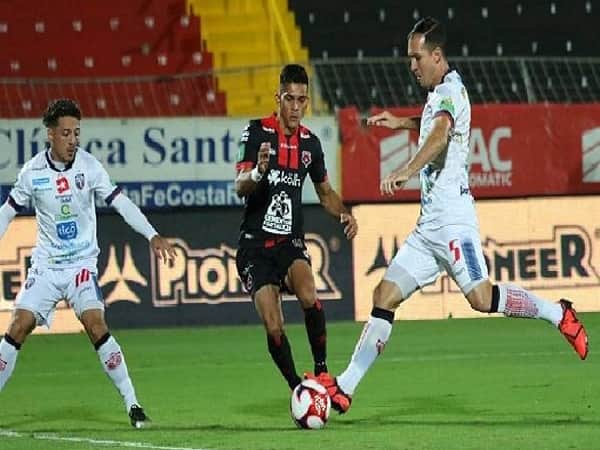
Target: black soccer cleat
(138,417)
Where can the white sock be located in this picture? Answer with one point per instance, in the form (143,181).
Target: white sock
(517,302)
(8,359)
(113,363)
(375,335)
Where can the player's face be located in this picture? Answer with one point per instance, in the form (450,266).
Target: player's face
(292,101)
(64,139)
(423,63)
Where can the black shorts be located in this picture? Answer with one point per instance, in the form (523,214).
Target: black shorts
(258,266)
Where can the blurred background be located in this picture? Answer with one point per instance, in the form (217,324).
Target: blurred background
(167,86)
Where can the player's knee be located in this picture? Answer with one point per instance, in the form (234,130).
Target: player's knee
(478,303)
(21,326)
(274,330)
(387,295)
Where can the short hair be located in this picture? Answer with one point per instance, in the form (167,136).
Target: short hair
(293,73)
(434,32)
(62,107)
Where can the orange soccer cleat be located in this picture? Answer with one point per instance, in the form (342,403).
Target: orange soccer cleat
(340,401)
(572,329)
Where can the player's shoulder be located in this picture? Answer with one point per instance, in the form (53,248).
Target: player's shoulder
(451,85)
(87,159)
(37,163)
(307,135)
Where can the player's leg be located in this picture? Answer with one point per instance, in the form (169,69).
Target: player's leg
(22,324)
(301,282)
(258,272)
(413,266)
(34,306)
(268,305)
(514,301)
(86,299)
(460,249)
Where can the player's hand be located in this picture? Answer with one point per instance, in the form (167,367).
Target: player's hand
(351,227)
(384,119)
(162,249)
(262,163)
(394,182)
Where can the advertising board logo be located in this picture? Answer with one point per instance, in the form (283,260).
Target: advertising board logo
(590,155)
(122,276)
(209,275)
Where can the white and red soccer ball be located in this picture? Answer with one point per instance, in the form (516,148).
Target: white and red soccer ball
(310,405)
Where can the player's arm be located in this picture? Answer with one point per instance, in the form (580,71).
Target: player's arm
(7,214)
(19,195)
(132,215)
(250,174)
(139,222)
(331,201)
(387,119)
(434,144)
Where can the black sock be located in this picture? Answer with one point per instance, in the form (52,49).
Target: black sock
(281,352)
(383,314)
(314,319)
(495,299)
(12,342)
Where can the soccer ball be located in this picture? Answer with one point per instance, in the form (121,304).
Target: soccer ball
(310,405)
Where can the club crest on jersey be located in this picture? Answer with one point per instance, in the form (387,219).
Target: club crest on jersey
(306,158)
(80,181)
(62,185)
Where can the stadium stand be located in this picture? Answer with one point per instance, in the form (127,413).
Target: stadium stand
(358,49)
(128,56)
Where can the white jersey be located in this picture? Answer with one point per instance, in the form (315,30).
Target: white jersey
(445,195)
(64,207)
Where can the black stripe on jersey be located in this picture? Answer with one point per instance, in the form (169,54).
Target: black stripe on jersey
(112,195)
(11,201)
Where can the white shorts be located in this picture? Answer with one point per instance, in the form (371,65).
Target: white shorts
(45,287)
(426,253)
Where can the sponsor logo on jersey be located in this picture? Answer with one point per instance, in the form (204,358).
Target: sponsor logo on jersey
(80,181)
(41,184)
(306,158)
(62,185)
(66,230)
(65,213)
(277,176)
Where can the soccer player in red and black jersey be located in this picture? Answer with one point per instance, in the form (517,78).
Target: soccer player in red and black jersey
(276,154)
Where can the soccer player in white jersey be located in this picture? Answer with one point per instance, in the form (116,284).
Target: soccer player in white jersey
(61,184)
(446,237)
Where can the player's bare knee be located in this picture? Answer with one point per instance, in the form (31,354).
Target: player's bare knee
(480,297)
(22,325)
(387,295)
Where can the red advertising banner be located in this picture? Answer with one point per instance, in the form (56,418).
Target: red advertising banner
(515,151)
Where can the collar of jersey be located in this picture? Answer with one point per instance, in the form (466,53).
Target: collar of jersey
(448,72)
(56,169)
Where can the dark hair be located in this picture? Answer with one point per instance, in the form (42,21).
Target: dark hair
(62,107)
(434,32)
(293,73)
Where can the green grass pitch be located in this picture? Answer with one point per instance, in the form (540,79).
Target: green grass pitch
(453,384)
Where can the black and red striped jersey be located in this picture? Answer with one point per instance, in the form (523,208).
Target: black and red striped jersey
(274,209)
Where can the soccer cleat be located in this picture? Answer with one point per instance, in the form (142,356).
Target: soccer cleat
(340,401)
(138,417)
(572,329)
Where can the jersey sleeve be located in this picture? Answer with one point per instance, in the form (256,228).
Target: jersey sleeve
(248,148)
(318,171)
(20,194)
(446,102)
(102,185)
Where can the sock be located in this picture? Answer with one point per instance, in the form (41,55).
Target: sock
(375,335)
(514,301)
(9,350)
(281,352)
(314,319)
(113,363)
